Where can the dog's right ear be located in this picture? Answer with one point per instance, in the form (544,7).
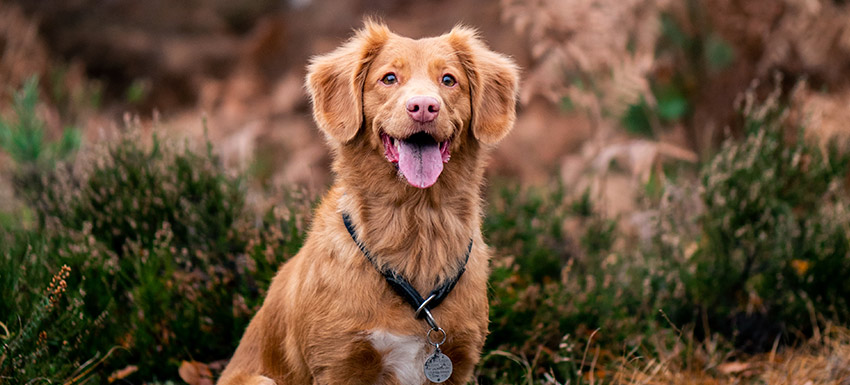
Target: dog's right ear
(493,85)
(335,82)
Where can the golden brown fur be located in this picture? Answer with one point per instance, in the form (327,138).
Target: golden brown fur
(318,321)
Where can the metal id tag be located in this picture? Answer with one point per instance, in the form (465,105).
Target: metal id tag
(438,367)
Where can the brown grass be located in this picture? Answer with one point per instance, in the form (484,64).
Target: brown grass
(825,359)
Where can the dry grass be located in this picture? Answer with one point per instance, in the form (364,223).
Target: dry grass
(823,360)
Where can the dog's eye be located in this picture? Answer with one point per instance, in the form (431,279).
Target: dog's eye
(448,80)
(389,79)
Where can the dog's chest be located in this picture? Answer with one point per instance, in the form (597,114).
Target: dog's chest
(404,356)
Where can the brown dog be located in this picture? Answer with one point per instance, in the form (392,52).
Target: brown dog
(409,122)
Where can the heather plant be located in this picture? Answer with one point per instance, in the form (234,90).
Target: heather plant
(528,223)
(42,328)
(132,191)
(167,263)
(151,255)
(24,138)
(590,293)
(770,261)
(26,346)
(750,255)
(47,328)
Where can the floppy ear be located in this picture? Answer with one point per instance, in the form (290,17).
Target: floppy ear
(335,82)
(493,86)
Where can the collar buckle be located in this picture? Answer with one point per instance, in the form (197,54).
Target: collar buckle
(423,309)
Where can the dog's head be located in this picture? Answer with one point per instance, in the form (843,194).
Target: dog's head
(415,101)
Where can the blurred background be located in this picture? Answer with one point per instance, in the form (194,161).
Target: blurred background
(666,71)
(692,152)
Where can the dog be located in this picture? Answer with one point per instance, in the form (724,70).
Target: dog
(410,123)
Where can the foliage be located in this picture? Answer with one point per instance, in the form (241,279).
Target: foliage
(24,137)
(594,294)
(26,141)
(45,345)
(528,224)
(151,256)
(166,262)
(748,258)
(774,231)
(638,65)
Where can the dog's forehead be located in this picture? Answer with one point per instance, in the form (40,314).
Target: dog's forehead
(403,52)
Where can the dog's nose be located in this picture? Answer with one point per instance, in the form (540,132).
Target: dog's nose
(423,109)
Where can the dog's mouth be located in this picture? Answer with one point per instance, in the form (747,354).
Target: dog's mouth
(420,157)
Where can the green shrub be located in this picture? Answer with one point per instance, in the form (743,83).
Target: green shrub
(528,224)
(768,250)
(756,249)
(586,293)
(24,137)
(163,260)
(49,331)
(157,236)
(816,274)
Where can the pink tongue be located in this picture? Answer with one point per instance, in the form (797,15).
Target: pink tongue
(421,163)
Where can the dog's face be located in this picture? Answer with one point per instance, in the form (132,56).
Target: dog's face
(416,101)
(416,96)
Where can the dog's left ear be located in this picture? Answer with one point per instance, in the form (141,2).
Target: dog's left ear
(493,85)
(335,82)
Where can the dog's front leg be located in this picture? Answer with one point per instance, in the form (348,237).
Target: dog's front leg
(351,360)
(382,380)
(247,379)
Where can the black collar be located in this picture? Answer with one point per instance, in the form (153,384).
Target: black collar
(402,286)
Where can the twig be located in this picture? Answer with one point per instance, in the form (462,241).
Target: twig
(91,365)
(679,331)
(586,348)
(593,365)
(773,350)
(519,360)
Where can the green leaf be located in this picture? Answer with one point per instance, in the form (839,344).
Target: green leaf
(673,108)
(654,187)
(24,137)
(5,134)
(636,119)
(719,54)
(136,92)
(672,103)
(567,104)
(670,29)
(69,143)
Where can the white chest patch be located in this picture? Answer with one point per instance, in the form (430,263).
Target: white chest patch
(404,356)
